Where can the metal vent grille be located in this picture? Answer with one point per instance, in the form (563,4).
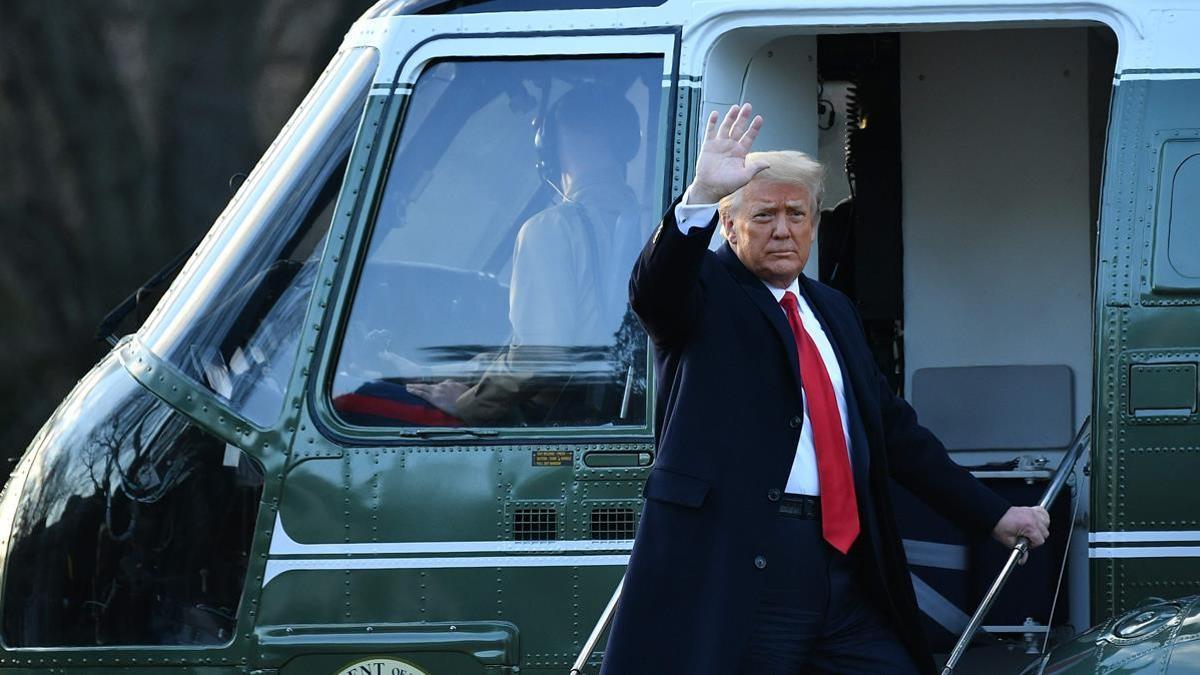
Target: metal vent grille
(613,523)
(535,524)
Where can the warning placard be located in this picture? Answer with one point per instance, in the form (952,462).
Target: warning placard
(553,457)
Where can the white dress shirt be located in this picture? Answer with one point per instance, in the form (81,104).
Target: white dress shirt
(803,477)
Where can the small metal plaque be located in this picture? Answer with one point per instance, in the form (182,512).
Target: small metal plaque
(553,457)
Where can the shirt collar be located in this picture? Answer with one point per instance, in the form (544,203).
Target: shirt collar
(794,287)
(600,193)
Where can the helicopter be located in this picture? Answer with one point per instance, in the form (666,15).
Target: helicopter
(393,415)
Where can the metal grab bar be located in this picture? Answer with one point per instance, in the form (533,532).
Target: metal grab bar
(1081,442)
(601,625)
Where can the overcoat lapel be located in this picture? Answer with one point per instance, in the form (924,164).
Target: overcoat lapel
(766,302)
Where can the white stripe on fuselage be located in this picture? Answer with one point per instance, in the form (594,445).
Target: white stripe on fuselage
(1143,536)
(1145,552)
(275,567)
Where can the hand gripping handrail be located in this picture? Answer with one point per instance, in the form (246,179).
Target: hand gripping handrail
(1082,441)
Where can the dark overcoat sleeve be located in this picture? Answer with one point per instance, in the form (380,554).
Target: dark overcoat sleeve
(920,463)
(665,290)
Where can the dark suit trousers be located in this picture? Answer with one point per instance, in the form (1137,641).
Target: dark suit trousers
(812,617)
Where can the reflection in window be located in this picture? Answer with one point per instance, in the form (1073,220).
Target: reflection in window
(1183,247)
(494,290)
(134,527)
(233,323)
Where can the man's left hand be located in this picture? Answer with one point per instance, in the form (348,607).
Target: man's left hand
(443,395)
(1031,522)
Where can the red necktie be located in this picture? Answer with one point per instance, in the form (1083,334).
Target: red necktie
(839,509)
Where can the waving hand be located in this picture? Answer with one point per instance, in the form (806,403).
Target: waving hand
(721,167)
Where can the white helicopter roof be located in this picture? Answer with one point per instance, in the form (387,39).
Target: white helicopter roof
(1156,38)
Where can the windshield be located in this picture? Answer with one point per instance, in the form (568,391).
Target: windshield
(494,291)
(232,320)
(134,525)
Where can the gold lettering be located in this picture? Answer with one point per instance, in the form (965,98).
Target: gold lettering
(381,667)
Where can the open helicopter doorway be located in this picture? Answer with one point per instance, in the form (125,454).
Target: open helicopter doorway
(962,195)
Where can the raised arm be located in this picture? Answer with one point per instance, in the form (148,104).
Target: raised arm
(664,289)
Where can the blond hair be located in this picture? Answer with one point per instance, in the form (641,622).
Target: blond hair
(786,166)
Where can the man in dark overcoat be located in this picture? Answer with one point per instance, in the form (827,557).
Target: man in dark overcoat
(767,544)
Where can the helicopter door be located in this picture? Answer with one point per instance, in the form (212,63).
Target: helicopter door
(1145,539)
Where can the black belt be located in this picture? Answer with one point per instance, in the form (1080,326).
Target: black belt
(807,507)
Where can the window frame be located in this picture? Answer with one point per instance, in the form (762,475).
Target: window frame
(658,42)
(1167,279)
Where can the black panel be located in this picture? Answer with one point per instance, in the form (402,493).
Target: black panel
(861,243)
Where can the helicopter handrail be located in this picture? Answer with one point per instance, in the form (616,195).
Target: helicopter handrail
(597,630)
(1081,442)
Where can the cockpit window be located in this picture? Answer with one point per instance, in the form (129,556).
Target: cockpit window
(233,320)
(494,289)
(134,526)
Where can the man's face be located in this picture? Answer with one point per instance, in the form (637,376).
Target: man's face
(772,230)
